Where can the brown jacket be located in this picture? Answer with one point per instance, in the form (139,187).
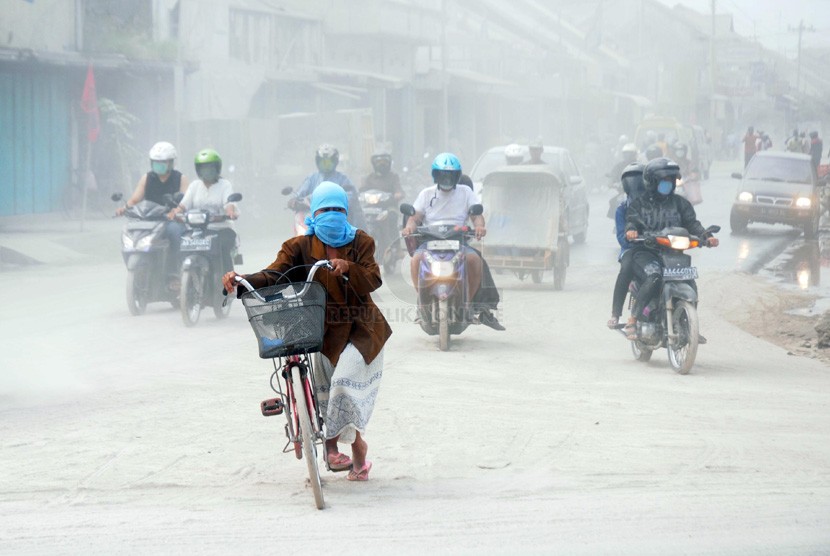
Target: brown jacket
(351,315)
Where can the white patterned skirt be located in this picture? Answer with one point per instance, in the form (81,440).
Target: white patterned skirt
(347,393)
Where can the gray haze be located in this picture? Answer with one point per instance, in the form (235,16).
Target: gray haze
(123,433)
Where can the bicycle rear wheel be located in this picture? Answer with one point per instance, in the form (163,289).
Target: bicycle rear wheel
(307,437)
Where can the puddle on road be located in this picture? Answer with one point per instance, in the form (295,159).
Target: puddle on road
(805,264)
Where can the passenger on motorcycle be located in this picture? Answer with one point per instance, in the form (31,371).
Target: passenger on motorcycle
(161,180)
(210,192)
(445,202)
(632,183)
(355,329)
(327,157)
(658,208)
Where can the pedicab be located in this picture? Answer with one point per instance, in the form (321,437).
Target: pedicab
(527,224)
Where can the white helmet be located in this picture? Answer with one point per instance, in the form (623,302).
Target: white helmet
(513,153)
(629,148)
(163,151)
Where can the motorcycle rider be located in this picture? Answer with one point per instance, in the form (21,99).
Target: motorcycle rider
(383,178)
(656,209)
(210,192)
(326,158)
(446,202)
(535,149)
(513,154)
(161,180)
(628,156)
(632,184)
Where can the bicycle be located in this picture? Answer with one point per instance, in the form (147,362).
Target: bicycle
(288,321)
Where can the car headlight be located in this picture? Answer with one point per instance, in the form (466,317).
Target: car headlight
(745,196)
(679,242)
(127,242)
(442,269)
(803,202)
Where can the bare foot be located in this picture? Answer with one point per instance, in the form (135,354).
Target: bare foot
(359,449)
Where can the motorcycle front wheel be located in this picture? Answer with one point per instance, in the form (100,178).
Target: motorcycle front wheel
(190,301)
(443,324)
(137,290)
(683,350)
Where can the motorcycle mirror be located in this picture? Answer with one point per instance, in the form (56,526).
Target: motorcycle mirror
(407,209)
(234,197)
(117,197)
(476,210)
(168,200)
(287,190)
(737,175)
(426,155)
(713,229)
(177,198)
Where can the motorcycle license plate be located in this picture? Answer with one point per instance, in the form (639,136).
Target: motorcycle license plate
(196,243)
(444,245)
(680,273)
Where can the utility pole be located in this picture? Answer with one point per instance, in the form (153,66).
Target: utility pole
(712,73)
(445,112)
(801,28)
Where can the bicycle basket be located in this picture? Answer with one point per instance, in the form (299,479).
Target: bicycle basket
(290,321)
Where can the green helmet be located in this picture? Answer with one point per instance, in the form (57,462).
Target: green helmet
(208,165)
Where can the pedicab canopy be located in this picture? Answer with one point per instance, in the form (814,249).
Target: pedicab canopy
(522,206)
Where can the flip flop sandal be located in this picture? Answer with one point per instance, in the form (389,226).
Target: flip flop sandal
(340,462)
(360,474)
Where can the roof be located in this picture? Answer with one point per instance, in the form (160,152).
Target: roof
(547,149)
(783,154)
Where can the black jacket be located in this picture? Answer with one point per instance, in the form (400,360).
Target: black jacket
(646,214)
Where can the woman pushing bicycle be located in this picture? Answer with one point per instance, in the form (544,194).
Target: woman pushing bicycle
(355,330)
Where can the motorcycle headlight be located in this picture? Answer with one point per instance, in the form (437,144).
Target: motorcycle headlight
(442,269)
(196,218)
(143,243)
(302,228)
(803,202)
(679,242)
(745,196)
(127,242)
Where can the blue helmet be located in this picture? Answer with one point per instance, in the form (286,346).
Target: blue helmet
(446,171)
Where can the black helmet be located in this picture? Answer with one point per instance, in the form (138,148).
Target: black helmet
(658,170)
(632,180)
(326,158)
(381,161)
(653,151)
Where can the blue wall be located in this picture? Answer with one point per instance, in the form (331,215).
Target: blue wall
(34,140)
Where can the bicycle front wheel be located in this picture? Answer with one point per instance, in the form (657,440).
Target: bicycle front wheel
(307,437)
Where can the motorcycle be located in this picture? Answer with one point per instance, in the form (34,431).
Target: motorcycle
(444,304)
(201,266)
(146,252)
(382,226)
(301,209)
(670,319)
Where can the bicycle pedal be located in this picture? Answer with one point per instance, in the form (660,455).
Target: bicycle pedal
(273,406)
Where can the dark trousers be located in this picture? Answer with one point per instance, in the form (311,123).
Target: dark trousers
(227,241)
(624,278)
(648,272)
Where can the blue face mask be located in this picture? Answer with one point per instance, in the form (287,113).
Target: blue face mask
(665,187)
(159,168)
(331,228)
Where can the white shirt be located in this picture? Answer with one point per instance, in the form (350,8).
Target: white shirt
(213,198)
(445,207)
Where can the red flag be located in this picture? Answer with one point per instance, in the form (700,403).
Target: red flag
(89,104)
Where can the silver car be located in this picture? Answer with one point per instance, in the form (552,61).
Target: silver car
(777,188)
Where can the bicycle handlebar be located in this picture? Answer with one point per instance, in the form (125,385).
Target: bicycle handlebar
(322,263)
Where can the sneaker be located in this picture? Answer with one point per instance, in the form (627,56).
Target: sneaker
(488,319)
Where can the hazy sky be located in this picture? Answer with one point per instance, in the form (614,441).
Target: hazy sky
(770,20)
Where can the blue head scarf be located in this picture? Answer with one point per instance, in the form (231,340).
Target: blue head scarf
(330,227)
